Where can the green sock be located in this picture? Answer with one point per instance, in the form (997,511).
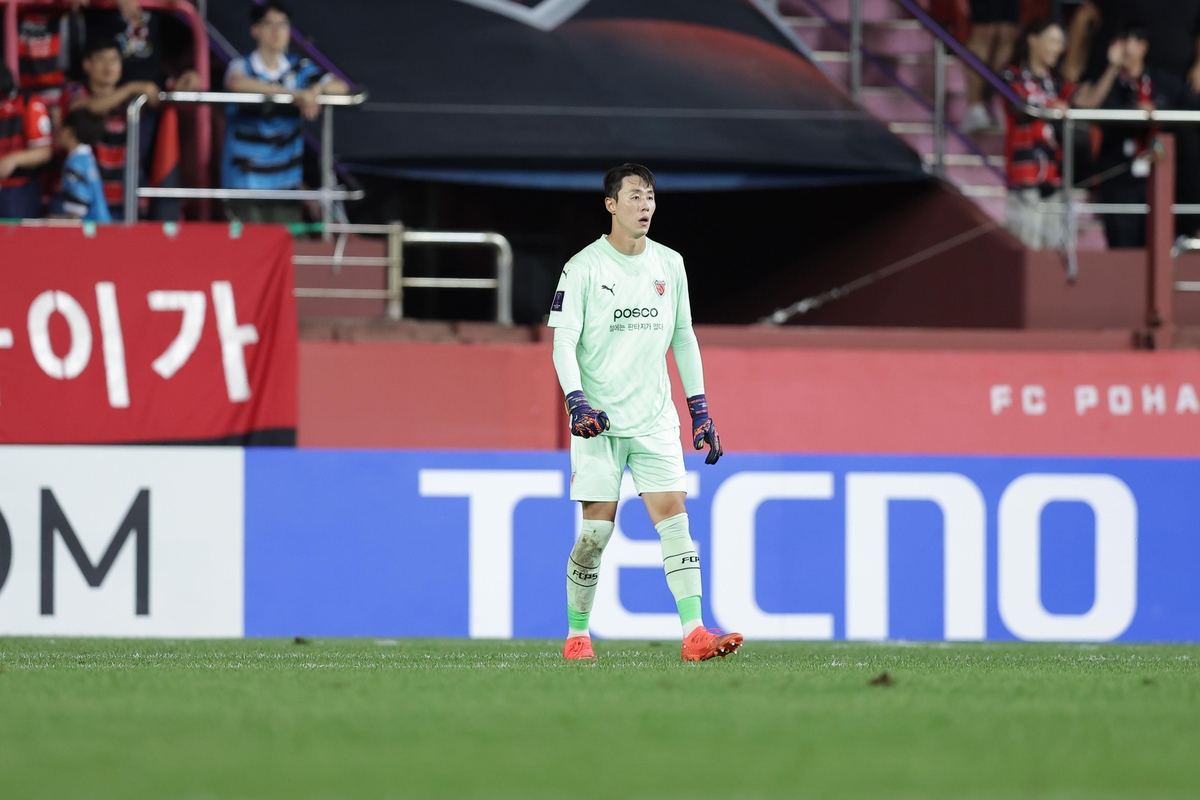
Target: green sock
(577,622)
(682,567)
(690,615)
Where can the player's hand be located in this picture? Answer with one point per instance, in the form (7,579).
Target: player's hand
(703,430)
(586,422)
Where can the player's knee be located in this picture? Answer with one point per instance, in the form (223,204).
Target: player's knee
(592,541)
(589,547)
(665,506)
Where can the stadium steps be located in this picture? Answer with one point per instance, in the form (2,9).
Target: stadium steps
(906,49)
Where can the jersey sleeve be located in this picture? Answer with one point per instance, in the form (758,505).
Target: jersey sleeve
(570,298)
(683,300)
(37,124)
(76,197)
(237,68)
(684,346)
(309,74)
(566,361)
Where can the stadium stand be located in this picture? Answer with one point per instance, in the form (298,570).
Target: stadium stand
(810,228)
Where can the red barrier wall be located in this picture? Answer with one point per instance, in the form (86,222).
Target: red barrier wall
(956,402)
(771,399)
(418,396)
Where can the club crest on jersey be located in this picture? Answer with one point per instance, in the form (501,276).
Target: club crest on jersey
(660,287)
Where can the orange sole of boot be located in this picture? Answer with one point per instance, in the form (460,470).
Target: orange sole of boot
(722,646)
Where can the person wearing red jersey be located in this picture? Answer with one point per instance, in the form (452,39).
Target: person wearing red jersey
(104,95)
(1033,146)
(26,144)
(42,53)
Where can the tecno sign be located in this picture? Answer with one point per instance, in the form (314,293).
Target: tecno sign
(120,541)
(493,496)
(1118,400)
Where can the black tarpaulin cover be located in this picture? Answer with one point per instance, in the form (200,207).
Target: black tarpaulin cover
(564,84)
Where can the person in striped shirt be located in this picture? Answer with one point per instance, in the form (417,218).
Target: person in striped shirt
(82,194)
(104,95)
(25,147)
(263,145)
(1032,145)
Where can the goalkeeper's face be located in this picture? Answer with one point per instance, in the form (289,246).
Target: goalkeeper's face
(633,207)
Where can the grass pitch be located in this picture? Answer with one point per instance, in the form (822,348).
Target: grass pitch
(380,719)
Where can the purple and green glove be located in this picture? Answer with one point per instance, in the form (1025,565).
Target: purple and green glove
(586,422)
(703,430)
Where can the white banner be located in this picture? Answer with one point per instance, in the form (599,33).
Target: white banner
(121,541)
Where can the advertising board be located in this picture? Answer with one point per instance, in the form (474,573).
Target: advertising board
(106,541)
(359,543)
(185,542)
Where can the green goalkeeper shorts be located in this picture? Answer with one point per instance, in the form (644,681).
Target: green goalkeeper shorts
(656,461)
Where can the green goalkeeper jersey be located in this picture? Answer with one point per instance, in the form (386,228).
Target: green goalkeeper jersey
(626,310)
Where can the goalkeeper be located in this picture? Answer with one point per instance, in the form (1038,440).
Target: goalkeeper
(621,302)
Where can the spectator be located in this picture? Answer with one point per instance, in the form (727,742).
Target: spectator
(105,96)
(993,33)
(26,144)
(43,53)
(263,146)
(1173,34)
(1122,162)
(1033,146)
(82,195)
(138,34)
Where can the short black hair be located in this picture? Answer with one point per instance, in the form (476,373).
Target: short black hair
(7,84)
(88,127)
(617,175)
(259,11)
(94,46)
(1134,30)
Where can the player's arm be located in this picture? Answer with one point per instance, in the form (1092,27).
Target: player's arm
(566,317)
(691,372)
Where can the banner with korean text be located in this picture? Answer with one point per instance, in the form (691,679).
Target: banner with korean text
(147,333)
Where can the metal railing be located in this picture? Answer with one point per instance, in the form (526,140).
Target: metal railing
(1072,209)
(943,45)
(1183,245)
(327,195)
(397,238)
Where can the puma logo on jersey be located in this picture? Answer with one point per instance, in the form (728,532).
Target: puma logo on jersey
(610,289)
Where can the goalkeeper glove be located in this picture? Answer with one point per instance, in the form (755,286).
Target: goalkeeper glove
(703,430)
(586,421)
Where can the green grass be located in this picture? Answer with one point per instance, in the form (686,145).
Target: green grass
(377,719)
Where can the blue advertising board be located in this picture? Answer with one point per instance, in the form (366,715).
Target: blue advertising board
(457,544)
